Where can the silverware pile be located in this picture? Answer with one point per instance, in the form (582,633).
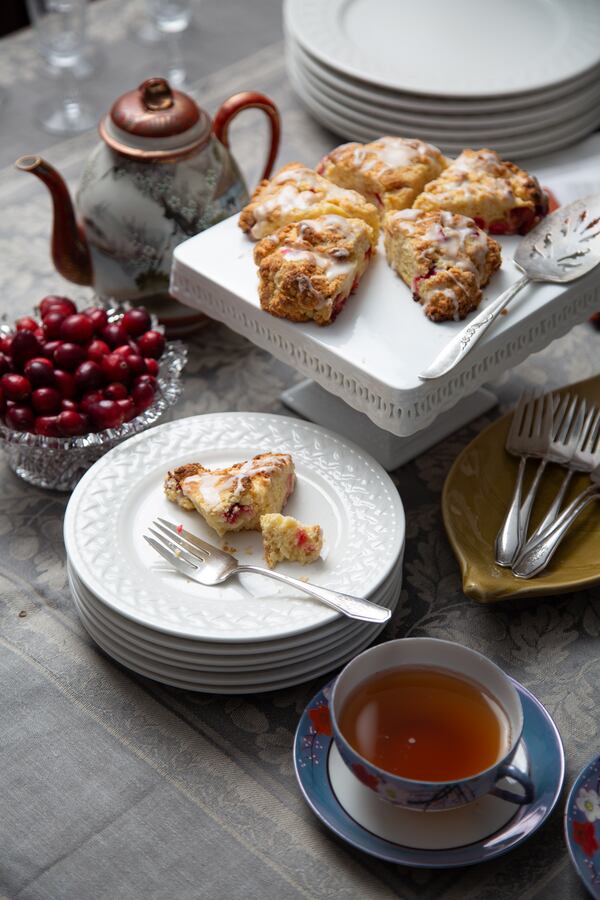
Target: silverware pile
(560,430)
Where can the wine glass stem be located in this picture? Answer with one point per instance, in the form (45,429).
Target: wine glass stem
(71,95)
(177,73)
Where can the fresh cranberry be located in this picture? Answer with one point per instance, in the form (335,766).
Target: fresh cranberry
(39,333)
(48,348)
(52,324)
(89,376)
(26,323)
(142,396)
(48,426)
(46,401)
(136,321)
(137,364)
(114,334)
(61,304)
(125,350)
(106,414)
(98,317)
(152,344)
(24,346)
(127,407)
(6,344)
(40,372)
(116,391)
(16,387)
(152,366)
(77,328)
(20,418)
(115,368)
(65,382)
(147,379)
(69,357)
(5,363)
(96,349)
(71,422)
(88,399)
(69,404)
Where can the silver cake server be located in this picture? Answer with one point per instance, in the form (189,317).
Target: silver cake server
(564,246)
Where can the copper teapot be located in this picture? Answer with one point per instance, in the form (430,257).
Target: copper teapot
(161,173)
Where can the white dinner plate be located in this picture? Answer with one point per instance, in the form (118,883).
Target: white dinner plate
(338,485)
(466,128)
(234,656)
(181,666)
(422,104)
(523,47)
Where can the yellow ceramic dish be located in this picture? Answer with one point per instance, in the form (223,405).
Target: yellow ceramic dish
(474,501)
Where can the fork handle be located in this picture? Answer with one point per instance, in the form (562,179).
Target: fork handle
(534,560)
(527,505)
(353,607)
(466,339)
(552,513)
(507,541)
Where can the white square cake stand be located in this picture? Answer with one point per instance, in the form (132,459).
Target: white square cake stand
(368,360)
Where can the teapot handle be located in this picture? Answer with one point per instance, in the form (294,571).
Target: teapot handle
(249,100)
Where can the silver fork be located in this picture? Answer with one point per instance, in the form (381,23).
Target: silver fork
(207,564)
(529,436)
(564,451)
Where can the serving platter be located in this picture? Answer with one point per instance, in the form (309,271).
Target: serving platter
(371,356)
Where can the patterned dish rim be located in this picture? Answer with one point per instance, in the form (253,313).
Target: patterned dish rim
(314,732)
(575,814)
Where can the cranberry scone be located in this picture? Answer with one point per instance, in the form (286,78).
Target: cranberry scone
(297,192)
(498,195)
(234,499)
(308,269)
(286,538)
(444,258)
(389,172)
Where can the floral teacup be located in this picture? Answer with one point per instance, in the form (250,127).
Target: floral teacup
(434,795)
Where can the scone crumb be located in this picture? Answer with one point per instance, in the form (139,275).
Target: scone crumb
(285,538)
(228,547)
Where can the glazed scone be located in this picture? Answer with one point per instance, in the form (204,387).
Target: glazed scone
(389,172)
(443,257)
(498,195)
(297,192)
(234,499)
(308,270)
(286,538)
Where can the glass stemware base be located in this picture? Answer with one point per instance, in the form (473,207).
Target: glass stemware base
(68,117)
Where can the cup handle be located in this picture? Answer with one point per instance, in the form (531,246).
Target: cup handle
(523,779)
(249,100)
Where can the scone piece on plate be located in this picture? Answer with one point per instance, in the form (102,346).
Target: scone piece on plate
(297,192)
(286,538)
(308,270)
(498,195)
(388,172)
(443,257)
(234,499)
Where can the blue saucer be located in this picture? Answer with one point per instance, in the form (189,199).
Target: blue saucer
(315,762)
(582,825)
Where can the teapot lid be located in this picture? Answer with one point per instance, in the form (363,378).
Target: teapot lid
(155,122)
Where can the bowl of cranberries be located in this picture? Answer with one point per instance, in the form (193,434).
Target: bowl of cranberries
(75,383)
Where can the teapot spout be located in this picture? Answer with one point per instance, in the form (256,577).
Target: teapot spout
(70,251)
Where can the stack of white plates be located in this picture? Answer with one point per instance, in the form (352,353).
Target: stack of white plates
(521,77)
(252,633)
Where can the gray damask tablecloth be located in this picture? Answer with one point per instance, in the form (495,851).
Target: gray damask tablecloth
(113,786)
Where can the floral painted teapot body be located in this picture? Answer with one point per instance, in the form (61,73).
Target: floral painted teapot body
(162,173)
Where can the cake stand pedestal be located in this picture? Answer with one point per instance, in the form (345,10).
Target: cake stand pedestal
(313,402)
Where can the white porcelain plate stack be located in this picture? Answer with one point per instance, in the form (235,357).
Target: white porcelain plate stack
(521,77)
(252,633)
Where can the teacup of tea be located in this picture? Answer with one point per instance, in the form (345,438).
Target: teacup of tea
(429,724)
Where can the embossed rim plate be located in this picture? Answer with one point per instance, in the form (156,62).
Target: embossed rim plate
(588,870)
(374,40)
(338,485)
(476,493)
(547,763)
(228,656)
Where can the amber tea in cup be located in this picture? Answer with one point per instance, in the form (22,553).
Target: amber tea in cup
(426,724)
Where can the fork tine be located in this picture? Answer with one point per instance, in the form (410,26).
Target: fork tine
(196,541)
(525,428)
(547,416)
(178,540)
(564,416)
(173,560)
(515,424)
(590,440)
(577,427)
(180,552)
